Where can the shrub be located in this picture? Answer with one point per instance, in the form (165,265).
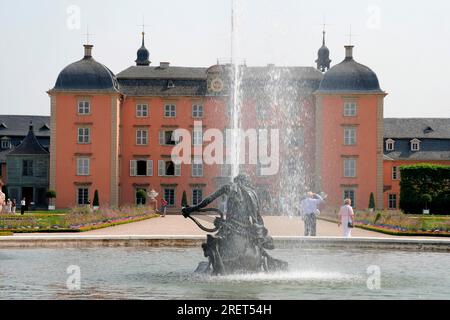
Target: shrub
(96,202)
(371,201)
(184,202)
(141,195)
(421,179)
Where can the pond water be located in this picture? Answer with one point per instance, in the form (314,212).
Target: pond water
(167,273)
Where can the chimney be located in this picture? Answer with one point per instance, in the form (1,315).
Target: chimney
(88,50)
(164,65)
(349,52)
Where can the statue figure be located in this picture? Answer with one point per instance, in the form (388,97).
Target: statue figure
(2,197)
(240,244)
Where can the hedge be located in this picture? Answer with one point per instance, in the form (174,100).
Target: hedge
(425,179)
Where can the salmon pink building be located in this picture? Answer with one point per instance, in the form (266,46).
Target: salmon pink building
(115,133)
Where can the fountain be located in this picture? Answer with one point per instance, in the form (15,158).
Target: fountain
(240,243)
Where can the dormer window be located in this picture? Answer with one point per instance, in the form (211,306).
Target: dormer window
(390,145)
(5,143)
(170,84)
(44,127)
(3,126)
(415,145)
(428,130)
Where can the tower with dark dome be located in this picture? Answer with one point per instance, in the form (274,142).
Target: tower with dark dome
(349,133)
(84,126)
(323,56)
(142,54)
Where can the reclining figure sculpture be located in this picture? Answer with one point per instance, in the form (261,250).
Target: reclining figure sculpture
(240,244)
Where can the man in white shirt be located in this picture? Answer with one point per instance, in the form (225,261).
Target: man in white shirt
(23,205)
(309,208)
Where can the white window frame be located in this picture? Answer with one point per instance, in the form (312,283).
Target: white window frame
(84,107)
(350,109)
(197,137)
(141,138)
(349,136)
(142,110)
(83,166)
(6,144)
(162,169)
(415,145)
(134,168)
(392,197)
(197,168)
(349,167)
(197,111)
(390,145)
(83,136)
(170,110)
(162,138)
(194,196)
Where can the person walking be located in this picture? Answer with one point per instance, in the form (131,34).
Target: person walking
(23,204)
(163,207)
(346,217)
(8,206)
(309,209)
(13,206)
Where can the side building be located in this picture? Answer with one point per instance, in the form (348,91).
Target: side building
(408,142)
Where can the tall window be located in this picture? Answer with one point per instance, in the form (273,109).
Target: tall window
(197,111)
(197,168)
(84,107)
(395,173)
(349,168)
(84,135)
(169,196)
(141,110)
(349,109)
(350,136)
(392,201)
(170,110)
(141,168)
(27,168)
(197,137)
(141,136)
(197,196)
(82,196)
(350,194)
(167,138)
(83,166)
(168,168)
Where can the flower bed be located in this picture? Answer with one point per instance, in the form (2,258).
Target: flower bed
(75,220)
(397,223)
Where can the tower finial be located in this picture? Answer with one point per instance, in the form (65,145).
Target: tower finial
(323,55)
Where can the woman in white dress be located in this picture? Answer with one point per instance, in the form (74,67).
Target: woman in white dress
(346,215)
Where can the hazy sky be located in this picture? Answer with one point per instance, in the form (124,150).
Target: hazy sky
(407,43)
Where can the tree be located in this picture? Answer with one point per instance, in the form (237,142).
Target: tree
(141,195)
(96,202)
(184,202)
(426,198)
(371,201)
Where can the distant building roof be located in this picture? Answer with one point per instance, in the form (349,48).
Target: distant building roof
(18,125)
(29,145)
(436,128)
(169,72)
